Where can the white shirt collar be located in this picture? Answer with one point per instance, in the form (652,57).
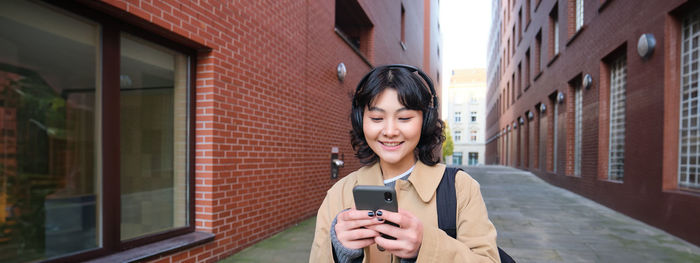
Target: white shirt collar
(401,176)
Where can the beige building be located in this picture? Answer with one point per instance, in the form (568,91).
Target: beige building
(466,108)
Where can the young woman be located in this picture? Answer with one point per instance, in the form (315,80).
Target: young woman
(396,134)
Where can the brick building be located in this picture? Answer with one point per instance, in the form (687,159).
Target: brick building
(601,98)
(182,131)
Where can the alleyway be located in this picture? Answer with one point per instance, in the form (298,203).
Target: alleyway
(536,222)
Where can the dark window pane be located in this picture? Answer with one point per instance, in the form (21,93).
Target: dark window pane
(49,189)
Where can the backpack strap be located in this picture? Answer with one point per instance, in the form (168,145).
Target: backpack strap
(446,199)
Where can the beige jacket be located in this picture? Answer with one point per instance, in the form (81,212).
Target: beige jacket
(476,235)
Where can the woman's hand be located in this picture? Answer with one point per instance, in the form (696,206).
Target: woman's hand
(409,235)
(352,228)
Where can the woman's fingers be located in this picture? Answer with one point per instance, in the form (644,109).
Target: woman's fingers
(409,236)
(352,229)
(353,214)
(356,244)
(357,234)
(353,219)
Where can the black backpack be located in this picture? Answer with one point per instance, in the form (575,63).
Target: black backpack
(447,208)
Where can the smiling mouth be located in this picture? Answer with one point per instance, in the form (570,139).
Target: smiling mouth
(391,144)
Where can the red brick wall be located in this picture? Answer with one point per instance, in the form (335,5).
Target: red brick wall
(270,107)
(649,190)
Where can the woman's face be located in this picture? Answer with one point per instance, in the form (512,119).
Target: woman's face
(392,131)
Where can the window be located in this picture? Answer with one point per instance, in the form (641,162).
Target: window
(513,45)
(69,131)
(526,77)
(403,29)
(543,138)
(473,158)
(520,80)
(457,158)
(579,14)
(458,116)
(520,24)
(555,134)
(538,52)
(618,83)
(512,90)
(689,155)
(554,31)
(153,149)
(472,137)
(473,115)
(578,121)
(458,136)
(353,25)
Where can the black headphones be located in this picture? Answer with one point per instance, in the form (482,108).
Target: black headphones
(357,111)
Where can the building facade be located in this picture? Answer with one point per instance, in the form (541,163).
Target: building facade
(466,112)
(182,131)
(600,97)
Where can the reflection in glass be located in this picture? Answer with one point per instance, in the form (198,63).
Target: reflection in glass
(153,110)
(49,189)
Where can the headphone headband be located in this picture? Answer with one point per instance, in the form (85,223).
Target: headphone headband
(403,66)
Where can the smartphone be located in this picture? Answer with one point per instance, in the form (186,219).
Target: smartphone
(373,197)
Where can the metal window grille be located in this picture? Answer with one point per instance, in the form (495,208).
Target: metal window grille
(689,145)
(618,87)
(579,14)
(578,100)
(555,128)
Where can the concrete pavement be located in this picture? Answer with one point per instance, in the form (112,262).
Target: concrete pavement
(536,222)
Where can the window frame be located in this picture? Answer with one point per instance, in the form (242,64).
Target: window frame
(578,13)
(112,23)
(618,63)
(554,27)
(672,96)
(688,185)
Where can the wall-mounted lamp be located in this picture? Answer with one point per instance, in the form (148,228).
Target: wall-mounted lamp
(560,97)
(646,45)
(530,115)
(504,131)
(543,107)
(515,125)
(521,120)
(342,71)
(508,128)
(587,81)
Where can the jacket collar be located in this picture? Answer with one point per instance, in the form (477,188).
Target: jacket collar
(425,179)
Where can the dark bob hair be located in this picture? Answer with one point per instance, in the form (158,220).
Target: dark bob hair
(410,84)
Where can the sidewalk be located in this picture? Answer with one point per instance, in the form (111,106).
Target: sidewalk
(536,222)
